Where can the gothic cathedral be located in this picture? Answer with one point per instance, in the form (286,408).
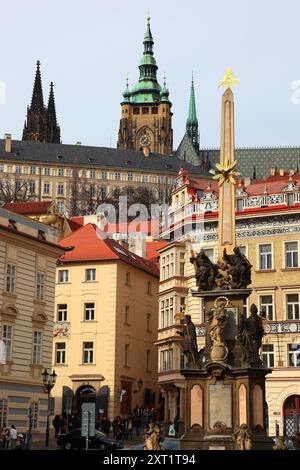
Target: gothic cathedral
(146,119)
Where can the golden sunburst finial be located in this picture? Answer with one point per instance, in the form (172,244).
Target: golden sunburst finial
(229,79)
(225,173)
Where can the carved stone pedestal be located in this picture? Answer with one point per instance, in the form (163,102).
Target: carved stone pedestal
(225,398)
(219,399)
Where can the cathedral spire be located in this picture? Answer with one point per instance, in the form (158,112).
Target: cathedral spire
(37,101)
(53,130)
(192,121)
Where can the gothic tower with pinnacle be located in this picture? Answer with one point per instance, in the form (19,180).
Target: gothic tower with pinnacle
(192,121)
(41,124)
(146,117)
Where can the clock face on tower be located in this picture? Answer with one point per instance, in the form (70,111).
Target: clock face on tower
(145,140)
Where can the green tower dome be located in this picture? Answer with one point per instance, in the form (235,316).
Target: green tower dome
(147,90)
(126,93)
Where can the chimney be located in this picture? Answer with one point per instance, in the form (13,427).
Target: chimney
(281,171)
(272,171)
(146,151)
(291,172)
(7,143)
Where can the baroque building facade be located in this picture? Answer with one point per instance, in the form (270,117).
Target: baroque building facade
(28,255)
(267,230)
(146,117)
(105,326)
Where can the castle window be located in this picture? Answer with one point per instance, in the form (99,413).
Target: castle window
(154,110)
(145,110)
(136,110)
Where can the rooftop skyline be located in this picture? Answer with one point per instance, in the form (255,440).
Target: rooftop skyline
(88,49)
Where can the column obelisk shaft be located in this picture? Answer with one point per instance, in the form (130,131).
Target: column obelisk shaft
(226,228)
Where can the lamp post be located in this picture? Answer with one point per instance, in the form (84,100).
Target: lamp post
(48,382)
(140,384)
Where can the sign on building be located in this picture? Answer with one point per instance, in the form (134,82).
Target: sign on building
(88,419)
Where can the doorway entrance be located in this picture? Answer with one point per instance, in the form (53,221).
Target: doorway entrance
(85,394)
(291,412)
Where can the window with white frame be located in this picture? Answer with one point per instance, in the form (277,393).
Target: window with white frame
(62,312)
(40,285)
(18,169)
(3,412)
(7,332)
(90,275)
(60,189)
(129,177)
(265,256)
(294,354)
(10,277)
(18,185)
(266,306)
(60,207)
(61,172)
(63,276)
(34,413)
(89,311)
(291,254)
(46,171)
(92,174)
(32,170)
(166,359)
(88,352)
(292,306)
(60,353)
(46,188)
(37,347)
(104,175)
(268,355)
(167,266)
(144,178)
(166,313)
(117,175)
(31,187)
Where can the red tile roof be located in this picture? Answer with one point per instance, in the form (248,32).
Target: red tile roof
(152,248)
(90,244)
(28,207)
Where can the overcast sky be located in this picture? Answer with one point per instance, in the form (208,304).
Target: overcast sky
(88,47)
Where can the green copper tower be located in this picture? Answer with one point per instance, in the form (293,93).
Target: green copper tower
(147,90)
(146,115)
(192,121)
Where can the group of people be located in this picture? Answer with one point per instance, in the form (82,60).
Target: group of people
(8,437)
(122,428)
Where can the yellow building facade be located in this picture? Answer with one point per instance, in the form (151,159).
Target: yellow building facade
(106,323)
(267,230)
(28,254)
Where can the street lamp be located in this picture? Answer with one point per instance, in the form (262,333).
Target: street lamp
(48,382)
(140,384)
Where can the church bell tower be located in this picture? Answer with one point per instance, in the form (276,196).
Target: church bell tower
(146,117)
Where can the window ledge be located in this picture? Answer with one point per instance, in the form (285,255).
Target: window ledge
(126,367)
(258,271)
(87,364)
(89,321)
(149,331)
(61,365)
(90,282)
(291,269)
(11,295)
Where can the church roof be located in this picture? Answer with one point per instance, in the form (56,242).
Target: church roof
(103,157)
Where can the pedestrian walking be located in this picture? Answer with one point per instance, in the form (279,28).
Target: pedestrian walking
(13,436)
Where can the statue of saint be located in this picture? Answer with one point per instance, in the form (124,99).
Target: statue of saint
(189,341)
(153,437)
(250,336)
(243,438)
(205,272)
(239,269)
(217,325)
